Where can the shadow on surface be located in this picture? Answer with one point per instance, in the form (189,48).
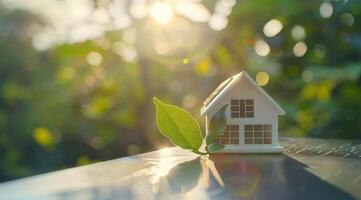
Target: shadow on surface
(271,177)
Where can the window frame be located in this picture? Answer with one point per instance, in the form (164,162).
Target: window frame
(259,134)
(242,108)
(230,136)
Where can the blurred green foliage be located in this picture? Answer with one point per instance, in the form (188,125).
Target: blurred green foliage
(60,109)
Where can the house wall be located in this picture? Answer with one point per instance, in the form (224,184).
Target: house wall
(264,111)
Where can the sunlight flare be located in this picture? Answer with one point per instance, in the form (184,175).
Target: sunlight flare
(161,12)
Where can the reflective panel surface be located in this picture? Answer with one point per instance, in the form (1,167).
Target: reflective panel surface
(309,169)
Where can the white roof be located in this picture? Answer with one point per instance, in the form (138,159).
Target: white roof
(226,85)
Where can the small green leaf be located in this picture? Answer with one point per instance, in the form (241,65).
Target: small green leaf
(215,147)
(178,125)
(216,125)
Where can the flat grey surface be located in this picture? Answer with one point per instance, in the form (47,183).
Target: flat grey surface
(309,169)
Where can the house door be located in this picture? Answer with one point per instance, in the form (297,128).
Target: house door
(258,134)
(230,135)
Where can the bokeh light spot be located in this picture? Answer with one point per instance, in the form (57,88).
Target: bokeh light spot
(138,10)
(262,48)
(347,19)
(324,90)
(300,49)
(94,58)
(189,101)
(161,12)
(223,7)
(65,73)
(194,11)
(262,78)
(127,52)
(97,107)
(326,9)
(309,91)
(272,28)
(203,68)
(298,32)
(43,136)
(218,22)
(185,61)
(307,76)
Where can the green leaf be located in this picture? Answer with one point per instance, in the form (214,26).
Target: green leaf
(214,147)
(216,125)
(178,125)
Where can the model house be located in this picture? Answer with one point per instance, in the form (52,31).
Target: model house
(252,116)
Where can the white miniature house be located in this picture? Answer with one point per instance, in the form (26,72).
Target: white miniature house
(252,116)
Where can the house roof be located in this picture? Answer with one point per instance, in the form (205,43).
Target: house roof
(228,84)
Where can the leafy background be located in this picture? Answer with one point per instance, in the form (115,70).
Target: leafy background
(76,85)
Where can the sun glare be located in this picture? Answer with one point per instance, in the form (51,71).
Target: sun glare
(161,12)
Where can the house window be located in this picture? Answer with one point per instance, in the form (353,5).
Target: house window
(230,135)
(242,108)
(258,134)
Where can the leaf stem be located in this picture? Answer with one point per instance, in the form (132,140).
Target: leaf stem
(201,153)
